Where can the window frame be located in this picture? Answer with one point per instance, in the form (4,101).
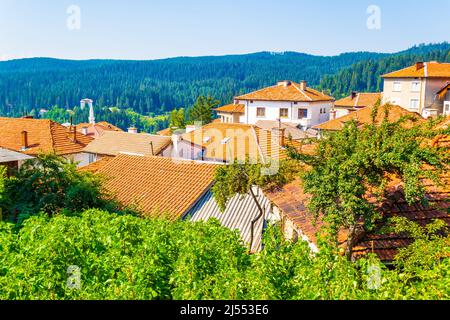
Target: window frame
(287,113)
(399,83)
(257,112)
(305,113)
(418,87)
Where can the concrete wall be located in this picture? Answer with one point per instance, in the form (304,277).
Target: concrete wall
(426,94)
(82,158)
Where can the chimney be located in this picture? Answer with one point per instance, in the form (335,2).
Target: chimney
(73,133)
(284,83)
(354,94)
(84,130)
(303,85)
(419,65)
(27,117)
(176,139)
(333,114)
(24,140)
(132,130)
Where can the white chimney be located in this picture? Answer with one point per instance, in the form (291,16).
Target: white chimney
(133,130)
(284,83)
(84,130)
(176,139)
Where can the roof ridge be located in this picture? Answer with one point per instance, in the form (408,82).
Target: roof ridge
(256,91)
(301,91)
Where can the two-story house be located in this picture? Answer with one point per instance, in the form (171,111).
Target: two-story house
(422,88)
(287,101)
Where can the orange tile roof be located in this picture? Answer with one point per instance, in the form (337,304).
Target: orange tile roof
(44,136)
(158,186)
(112,143)
(291,92)
(386,245)
(232,108)
(96,166)
(227,142)
(96,130)
(364,116)
(429,70)
(360,100)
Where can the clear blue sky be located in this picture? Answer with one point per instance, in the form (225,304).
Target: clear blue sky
(149,29)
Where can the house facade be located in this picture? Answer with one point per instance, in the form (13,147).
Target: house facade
(421,88)
(286,101)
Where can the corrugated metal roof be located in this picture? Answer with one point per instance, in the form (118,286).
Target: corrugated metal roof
(10,156)
(240,212)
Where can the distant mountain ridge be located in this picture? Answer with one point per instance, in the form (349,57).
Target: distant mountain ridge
(158,86)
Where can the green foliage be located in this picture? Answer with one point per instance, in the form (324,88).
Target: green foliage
(355,162)
(125,257)
(178,118)
(202,110)
(51,184)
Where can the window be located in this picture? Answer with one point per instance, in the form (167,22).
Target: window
(414,104)
(415,86)
(284,113)
(397,86)
(260,112)
(302,113)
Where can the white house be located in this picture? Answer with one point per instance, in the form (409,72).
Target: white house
(286,101)
(422,88)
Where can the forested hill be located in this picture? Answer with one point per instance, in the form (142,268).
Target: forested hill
(366,75)
(157,86)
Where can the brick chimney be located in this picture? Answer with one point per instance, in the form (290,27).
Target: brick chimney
(419,65)
(303,85)
(73,133)
(24,135)
(132,130)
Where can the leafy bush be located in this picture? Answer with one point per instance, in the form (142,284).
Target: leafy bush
(125,257)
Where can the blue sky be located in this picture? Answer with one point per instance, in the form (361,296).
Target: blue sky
(149,29)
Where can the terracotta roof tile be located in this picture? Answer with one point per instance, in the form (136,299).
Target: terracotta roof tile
(96,130)
(429,70)
(112,143)
(364,116)
(43,136)
(232,108)
(291,92)
(158,186)
(360,100)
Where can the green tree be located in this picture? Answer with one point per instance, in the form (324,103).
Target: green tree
(52,184)
(178,118)
(357,161)
(202,110)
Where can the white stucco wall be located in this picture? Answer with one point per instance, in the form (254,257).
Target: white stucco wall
(81,158)
(273,112)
